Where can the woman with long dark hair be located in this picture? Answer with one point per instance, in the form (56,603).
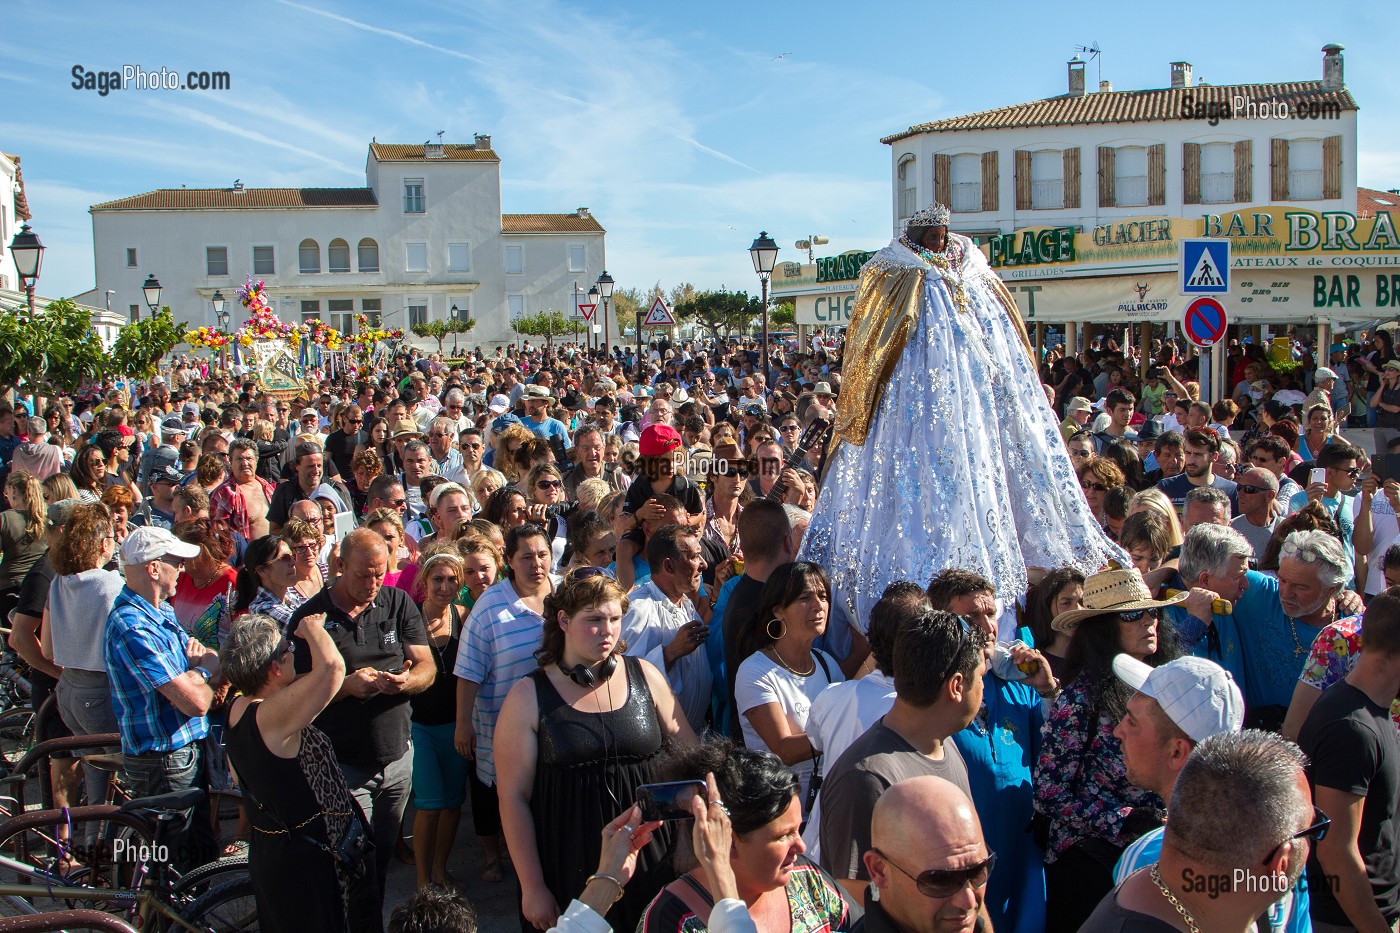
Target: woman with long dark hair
(264,578)
(781,674)
(576,739)
(1082,791)
(89,472)
(1060,591)
(22,538)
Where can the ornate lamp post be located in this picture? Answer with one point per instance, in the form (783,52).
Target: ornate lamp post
(764,253)
(222,317)
(605,288)
(593,295)
(151,289)
(28,254)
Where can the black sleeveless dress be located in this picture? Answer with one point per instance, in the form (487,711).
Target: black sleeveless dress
(308,795)
(589,768)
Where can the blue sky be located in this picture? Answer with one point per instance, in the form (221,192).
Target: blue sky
(686,128)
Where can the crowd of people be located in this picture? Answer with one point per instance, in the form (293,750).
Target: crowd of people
(528,583)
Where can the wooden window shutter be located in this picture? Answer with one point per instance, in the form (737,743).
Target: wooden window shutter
(1332,167)
(1244,171)
(991,181)
(1278,170)
(943,180)
(1157,174)
(1072,184)
(1107,160)
(1191,173)
(1023,180)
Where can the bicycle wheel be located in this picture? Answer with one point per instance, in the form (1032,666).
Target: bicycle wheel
(226,908)
(16,734)
(205,878)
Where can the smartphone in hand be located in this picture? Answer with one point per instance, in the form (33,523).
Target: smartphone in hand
(669,801)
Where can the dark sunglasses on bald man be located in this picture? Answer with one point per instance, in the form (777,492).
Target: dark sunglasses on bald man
(946,882)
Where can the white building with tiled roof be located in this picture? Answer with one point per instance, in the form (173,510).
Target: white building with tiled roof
(425,234)
(1081,199)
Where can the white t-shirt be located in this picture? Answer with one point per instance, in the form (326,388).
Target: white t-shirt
(761,681)
(1385,531)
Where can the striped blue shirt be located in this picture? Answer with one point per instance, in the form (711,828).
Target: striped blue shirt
(144,648)
(497,648)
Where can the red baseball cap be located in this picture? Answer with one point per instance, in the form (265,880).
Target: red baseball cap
(658,439)
(125,430)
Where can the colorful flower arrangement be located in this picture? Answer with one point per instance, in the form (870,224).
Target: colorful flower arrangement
(322,334)
(210,337)
(262,323)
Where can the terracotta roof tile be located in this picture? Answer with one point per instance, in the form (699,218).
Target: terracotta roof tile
(193,199)
(1369,201)
(1131,106)
(397,152)
(550,223)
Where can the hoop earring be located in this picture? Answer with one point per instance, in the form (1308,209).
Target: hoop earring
(782,629)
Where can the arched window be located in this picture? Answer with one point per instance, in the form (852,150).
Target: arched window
(908,189)
(369,255)
(338,256)
(310,257)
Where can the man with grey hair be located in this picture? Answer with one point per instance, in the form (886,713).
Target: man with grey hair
(37,457)
(1214,566)
(1236,840)
(1256,490)
(1205,505)
(1355,774)
(453,407)
(442,441)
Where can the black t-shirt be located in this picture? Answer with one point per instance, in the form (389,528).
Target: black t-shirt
(681,487)
(1111,917)
(740,611)
(372,732)
(34,589)
(437,705)
(1354,748)
(341,447)
(287,494)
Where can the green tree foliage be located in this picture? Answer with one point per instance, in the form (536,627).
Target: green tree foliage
(141,344)
(439,330)
(626,302)
(547,324)
(55,348)
(721,312)
(783,316)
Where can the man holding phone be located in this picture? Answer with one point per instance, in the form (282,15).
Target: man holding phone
(1333,483)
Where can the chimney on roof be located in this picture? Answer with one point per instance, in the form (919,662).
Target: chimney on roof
(1181,74)
(1076,77)
(432,150)
(1332,67)
(483,141)
(583,212)
(237,184)
(1105,87)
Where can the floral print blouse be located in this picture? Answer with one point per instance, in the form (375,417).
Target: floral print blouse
(1333,655)
(1083,802)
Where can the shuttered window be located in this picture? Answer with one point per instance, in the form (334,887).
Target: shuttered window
(942,179)
(908,192)
(1304,169)
(1071,170)
(1023,180)
(1157,174)
(1130,176)
(1107,194)
(1191,173)
(1048,179)
(1332,167)
(1278,170)
(1217,173)
(1244,171)
(991,180)
(967,183)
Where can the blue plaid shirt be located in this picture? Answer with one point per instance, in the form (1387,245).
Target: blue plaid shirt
(145,650)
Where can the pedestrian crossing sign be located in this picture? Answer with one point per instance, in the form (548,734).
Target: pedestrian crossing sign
(1205,266)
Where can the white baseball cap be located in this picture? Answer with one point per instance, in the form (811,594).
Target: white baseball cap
(1197,694)
(147,543)
(500,404)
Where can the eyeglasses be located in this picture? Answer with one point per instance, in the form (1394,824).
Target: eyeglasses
(946,882)
(287,649)
(549,484)
(354,421)
(1316,832)
(1354,472)
(303,549)
(1137,615)
(469,446)
(1093,487)
(1250,489)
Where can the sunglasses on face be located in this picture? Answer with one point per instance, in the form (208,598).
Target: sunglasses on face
(1249,489)
(549,484)
(1137,615)
(476,446)
(946,882)
(1093,487)
(1316,832)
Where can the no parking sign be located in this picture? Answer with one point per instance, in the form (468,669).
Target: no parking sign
(1204,322)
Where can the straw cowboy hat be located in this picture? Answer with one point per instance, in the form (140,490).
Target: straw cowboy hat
(1112,591)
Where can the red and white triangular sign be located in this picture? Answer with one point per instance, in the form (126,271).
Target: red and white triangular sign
(586,310)
(659,315)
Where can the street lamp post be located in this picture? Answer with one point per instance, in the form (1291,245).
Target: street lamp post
(605,288)
(456,316)
(151,289)
(593,300)
(764,253)
(222,317)
(28,254)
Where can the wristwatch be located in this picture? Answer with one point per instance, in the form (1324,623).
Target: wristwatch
(201,669)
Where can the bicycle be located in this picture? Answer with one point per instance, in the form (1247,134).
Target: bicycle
(144,890)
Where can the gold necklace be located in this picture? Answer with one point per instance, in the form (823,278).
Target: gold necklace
(1155,874)
(778,656)
(1298,649)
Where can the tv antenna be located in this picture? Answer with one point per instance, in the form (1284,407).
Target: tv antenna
(1094,52)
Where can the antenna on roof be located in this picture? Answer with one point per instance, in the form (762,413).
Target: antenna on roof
(440,134)
(1094,53)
